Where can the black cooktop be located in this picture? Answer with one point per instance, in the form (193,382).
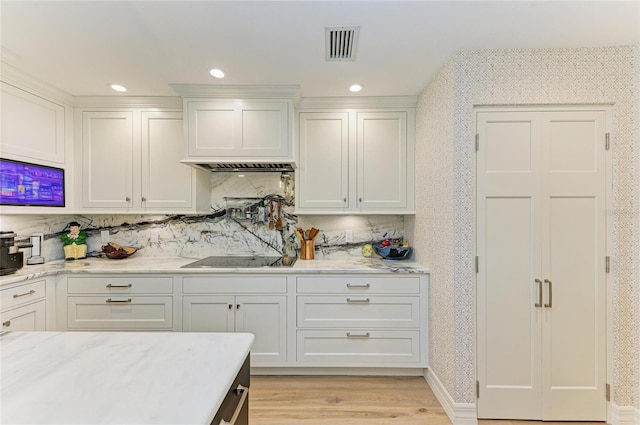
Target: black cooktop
(236,261)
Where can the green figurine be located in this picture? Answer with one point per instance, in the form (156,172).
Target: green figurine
(74,243)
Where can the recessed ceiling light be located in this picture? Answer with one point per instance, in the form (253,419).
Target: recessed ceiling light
(218,73)
(118,88)
(355,87)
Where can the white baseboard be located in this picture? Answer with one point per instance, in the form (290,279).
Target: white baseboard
(459,413)
(623,415)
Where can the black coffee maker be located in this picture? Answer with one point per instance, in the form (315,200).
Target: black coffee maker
(11,259)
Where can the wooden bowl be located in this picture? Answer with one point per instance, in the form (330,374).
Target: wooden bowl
(118,252)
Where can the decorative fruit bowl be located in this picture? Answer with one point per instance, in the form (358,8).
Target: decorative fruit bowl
(118,252)
(392,252)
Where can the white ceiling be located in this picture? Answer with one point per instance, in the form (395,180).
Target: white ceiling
(81,46)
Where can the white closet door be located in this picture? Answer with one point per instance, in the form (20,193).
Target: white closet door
(541,247)
(573,360)
(509,323)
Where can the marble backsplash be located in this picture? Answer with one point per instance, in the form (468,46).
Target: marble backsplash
(216,233)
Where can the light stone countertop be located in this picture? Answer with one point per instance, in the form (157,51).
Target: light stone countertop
(117,377)
(336,263)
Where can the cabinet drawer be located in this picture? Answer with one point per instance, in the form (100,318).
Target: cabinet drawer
(358,311)
(120,313)
(120,285)
(360,347)
(358,284)
(29,317)
(23,294)
(234,285)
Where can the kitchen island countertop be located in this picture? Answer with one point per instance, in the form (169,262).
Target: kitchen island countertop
(141,264)
(118,377)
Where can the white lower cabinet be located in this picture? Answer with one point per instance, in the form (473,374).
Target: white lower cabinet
(117,302)
(358,347)
(30,317)
(359,320)
(24,307)
(210,304)
(304,320)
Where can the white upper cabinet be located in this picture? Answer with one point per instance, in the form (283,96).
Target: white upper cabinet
(237,128)
(166,183)
(356,161)
(32,127)
(246,124)
(107,159)
(323,178)
(131,163)
(382,161)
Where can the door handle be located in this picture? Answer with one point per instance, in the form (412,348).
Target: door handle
(110,301)
(539,283)
(352,300)
(550,303)
(234,418)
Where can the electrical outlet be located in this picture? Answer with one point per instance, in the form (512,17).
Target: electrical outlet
(154,235)
(348,236)
(104,236)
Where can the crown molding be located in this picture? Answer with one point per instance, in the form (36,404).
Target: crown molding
(171,102)
(236,91)
(358,102)
(20,79)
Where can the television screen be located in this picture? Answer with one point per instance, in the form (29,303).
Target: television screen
(25,184)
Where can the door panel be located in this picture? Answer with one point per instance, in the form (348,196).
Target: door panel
(541,226)
(508,146)
(509,252)
(573,261)
(509,324)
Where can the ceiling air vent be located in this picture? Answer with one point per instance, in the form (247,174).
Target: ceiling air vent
(340,43)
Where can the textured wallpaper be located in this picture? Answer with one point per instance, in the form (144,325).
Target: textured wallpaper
(444,186)
(432,227)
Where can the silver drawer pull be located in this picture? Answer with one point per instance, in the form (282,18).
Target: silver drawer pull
(110,301)
(110,286)
(6,324)
(364,335)
(351,300)
(31,292)
(365,286)
(239,390)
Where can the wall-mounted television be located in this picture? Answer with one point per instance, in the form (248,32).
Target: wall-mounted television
(26,184)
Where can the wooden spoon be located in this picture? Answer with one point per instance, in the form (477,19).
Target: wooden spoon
(279,220)
(270,215)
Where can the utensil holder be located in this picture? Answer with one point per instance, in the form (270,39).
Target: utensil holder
(307,250)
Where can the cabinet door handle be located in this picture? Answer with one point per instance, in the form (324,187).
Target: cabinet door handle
(230,306)
(359,199)
(110,286)
(550,303)
(6,324)
(364,335)
(364,286)
(539,283)
(127,199)
(351,300)
(110,301)
(239,390)
(31,292)
(144,199)
(237,306)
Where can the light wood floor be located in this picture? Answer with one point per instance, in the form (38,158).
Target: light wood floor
(375,400)
(349,400)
